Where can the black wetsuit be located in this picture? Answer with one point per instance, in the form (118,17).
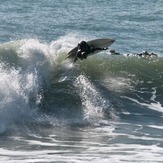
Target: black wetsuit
(84,49)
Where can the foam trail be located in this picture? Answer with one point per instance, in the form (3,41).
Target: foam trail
(93,103)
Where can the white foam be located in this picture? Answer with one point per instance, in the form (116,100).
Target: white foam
(65,43)
(16,89)
(21,80)
(118,84)
(25,66)
(153,106)
(94,104)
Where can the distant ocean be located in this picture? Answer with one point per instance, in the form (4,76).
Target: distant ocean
(103,109)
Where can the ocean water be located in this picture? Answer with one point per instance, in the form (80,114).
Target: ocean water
(103,109)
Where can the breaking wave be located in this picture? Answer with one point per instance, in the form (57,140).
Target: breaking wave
(39,88)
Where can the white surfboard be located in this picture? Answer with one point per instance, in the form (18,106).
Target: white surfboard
(97,43)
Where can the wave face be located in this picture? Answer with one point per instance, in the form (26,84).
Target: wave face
(39,87)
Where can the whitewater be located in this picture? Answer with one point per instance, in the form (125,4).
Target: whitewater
(103,109)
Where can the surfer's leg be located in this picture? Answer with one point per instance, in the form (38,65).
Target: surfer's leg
(75,59)
(84,55)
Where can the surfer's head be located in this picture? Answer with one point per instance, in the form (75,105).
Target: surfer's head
(112,51)
(83,46)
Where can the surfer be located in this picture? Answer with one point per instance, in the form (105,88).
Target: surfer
(84,49)
(145,54)
(113,52)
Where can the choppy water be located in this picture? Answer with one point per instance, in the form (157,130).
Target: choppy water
(103,109)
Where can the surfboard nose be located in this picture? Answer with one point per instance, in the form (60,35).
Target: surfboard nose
(112,40)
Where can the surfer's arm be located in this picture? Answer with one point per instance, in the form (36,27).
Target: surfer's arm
(94,49)
(104,48)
